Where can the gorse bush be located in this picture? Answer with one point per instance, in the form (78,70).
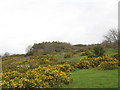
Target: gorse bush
(84,64)
(22,64)
(98,60)
(108,65)
(87,53)
(47,71)
(104,62)
(98,51)
(117,56)
(41,77)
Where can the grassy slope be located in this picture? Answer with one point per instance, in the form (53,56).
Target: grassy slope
(75,58)
(61,57)
(92,78)
(111,51)
(83,78)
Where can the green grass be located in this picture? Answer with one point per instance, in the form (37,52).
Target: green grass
(92,78)
(75,58)
(111,51)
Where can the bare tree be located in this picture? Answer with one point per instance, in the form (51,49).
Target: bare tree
(111,39)
(28,49)
(6,54)
(112,36)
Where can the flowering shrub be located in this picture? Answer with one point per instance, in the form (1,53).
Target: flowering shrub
(108,65)
(98,60)
(104,62)
(22,64)
(87,53)
(65,67)
(45,71)
(41,77)
(116,55)
(83,65)
(71,63)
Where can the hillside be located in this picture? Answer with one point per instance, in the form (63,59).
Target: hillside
(62,70)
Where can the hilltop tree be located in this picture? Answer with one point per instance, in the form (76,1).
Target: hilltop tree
(29,50)
(6,54)
(111,39)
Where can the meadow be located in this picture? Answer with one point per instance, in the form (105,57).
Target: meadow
(92,78)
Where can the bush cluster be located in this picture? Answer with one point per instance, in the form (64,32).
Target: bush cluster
(108,65)
(46,71)
(22,64)
(104,62)
(84,64)
(41,77)
(98,51)
(87,53)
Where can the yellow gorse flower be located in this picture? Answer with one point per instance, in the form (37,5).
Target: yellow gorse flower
(41,77)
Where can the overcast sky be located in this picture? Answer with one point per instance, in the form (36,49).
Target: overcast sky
(25,22)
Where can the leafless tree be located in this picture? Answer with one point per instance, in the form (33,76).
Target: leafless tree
(111,39)
(28,48)
(112,36)
(6,54)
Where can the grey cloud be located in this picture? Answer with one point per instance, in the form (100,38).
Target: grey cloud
(25,22)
